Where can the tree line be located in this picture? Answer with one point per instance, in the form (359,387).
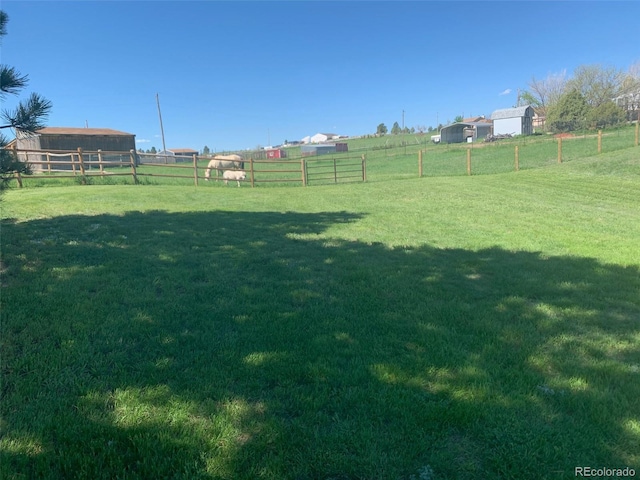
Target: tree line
(596,96)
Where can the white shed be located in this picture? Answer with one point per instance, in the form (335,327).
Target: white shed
(514,121)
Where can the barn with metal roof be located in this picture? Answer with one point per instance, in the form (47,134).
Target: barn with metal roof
(513,121)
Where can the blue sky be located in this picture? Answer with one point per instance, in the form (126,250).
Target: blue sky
(237,75)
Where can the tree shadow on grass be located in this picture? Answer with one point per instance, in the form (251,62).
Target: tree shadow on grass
(254,345)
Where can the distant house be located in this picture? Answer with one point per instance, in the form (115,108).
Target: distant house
(514,121)
(323,137)
(476,119)
(629,102)
(539,119)
(464,132)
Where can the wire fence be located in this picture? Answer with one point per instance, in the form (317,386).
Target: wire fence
(521,153)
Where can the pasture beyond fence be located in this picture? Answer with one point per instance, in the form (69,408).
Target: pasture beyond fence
(363,162)
(519,153)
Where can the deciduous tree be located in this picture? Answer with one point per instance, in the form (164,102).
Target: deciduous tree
(544,93)
(598,84)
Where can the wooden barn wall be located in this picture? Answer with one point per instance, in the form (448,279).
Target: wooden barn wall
(120,143)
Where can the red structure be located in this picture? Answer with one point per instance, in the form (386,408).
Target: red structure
(277,153)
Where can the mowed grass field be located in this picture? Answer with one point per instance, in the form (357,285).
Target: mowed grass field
(404,328)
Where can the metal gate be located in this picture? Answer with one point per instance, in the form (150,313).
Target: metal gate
(335,170)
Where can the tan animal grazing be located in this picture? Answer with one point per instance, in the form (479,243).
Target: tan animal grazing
(223,162)
(236,175)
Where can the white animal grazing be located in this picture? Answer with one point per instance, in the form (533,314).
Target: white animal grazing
(223,162)
(236,175)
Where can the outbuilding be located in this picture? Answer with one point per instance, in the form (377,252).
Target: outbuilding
(184,152)
(309,150)
(464,132)
(276,153)
(69,139)
(513,121)
(172,155)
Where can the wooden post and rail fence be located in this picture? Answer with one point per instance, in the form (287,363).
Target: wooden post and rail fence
(81,165)
(305,171)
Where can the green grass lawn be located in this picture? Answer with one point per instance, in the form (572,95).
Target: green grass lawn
(442,327)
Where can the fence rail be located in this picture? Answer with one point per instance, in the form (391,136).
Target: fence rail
(478,158)
(85,164)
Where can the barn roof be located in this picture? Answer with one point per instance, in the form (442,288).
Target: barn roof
(510,112)
(179,151)
(80,131)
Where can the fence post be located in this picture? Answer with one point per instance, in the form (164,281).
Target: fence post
(73,164)
(81,162)
(420,163)
(517,159)
(335,172)
(132,157)
(251,171)
(195,169)
(599,141)
(468,161)
(48,162)
(100,162)
(304,173)
(17,174)
(559,149)
(364,168)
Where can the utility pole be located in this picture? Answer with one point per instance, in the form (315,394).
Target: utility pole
(164,147)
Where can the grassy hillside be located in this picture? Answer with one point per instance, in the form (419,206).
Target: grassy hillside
(441,327)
